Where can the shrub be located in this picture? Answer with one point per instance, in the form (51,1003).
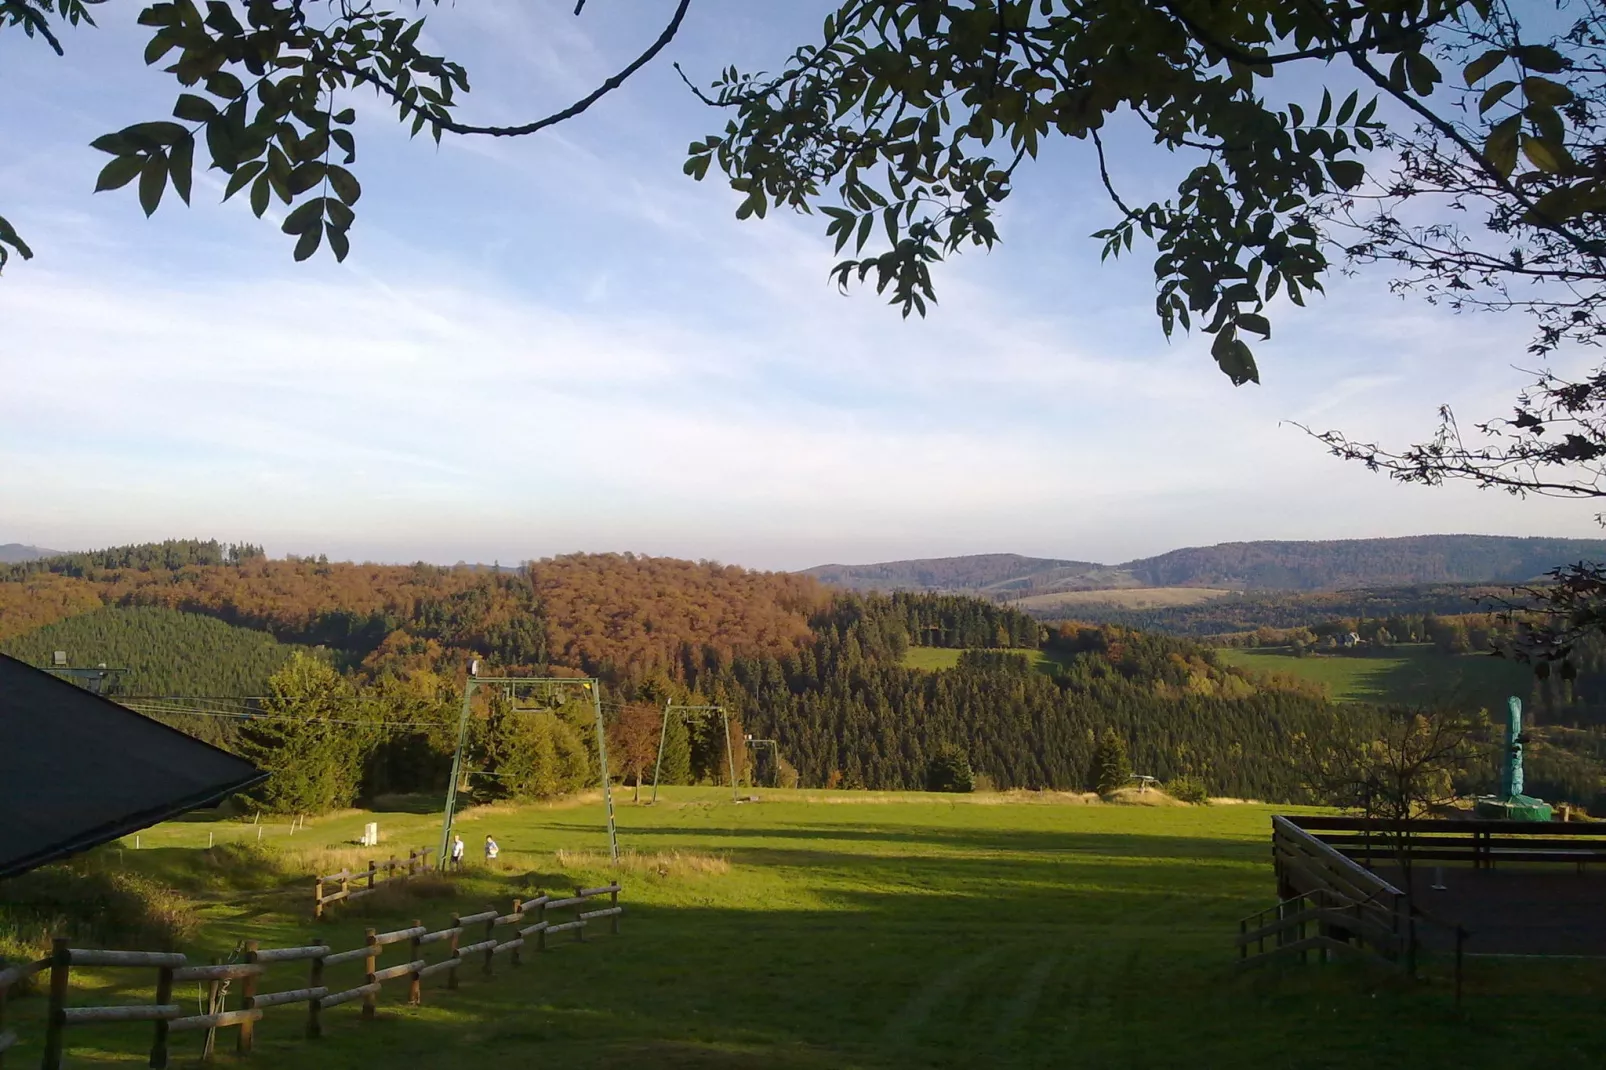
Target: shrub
(85,902)
(1188,789)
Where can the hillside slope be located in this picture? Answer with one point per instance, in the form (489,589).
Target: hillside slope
(12,553)
(998,574)
(1254,566)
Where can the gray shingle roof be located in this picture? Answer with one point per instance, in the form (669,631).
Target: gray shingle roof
(78,770)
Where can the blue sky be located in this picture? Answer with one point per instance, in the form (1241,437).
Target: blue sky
(563,344)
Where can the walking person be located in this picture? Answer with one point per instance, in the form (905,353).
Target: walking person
(491,850)
(457,851)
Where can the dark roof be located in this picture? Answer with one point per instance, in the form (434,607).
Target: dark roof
(78,770)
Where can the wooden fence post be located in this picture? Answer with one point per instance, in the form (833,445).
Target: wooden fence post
(164,996)
(317,900)
(315,1004)
(415,953)
(248,993)
(412,862)
(490,934)
(345,884)
(613,901)
(518,920)
(372,870)
(579,930)
(451,947)
(371,964)
(390,869)
(540,937)
(60,973)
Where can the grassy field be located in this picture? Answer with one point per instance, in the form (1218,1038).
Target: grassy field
(1121,597)
(834,929)
(935,658)
(1410,674)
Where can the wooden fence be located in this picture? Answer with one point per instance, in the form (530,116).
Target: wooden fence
(1350,907)
(1483,843)
(497,934)
(354,884)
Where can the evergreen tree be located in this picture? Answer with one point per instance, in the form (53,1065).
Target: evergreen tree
(305,741)
(676,767)
(949,770)
(1112,769)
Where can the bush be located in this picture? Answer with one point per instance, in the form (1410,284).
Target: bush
(86,903)
(949,770)
(1188,789)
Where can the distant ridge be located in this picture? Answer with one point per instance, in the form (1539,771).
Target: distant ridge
(14,553)
(1266,566)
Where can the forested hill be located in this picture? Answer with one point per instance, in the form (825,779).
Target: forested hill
(1345,563)
(13,552)
(975,574)
(1266,566)
(823,674)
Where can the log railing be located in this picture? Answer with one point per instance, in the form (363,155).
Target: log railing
(354,884)
(488,934)
(1483,843)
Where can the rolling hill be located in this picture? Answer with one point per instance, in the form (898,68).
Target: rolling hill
(1235,566)
(13,553)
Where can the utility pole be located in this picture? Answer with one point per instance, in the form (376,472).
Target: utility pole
(595,688)
(662,732)
(457,768)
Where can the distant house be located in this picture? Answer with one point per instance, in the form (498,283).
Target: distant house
(78,770)
(1351,640)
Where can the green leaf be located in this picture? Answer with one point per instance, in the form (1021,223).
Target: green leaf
(1494,95)
(180,165)
(303,217)
(152,181)
(345,117)
(307,244)
(1234,358)
(1251,321)
(1544,91)
(194,109)
(1501,146)
(1485,63)
(119,173)
(339,243)
(115,144)
(1347,174)
(1546,155)
(305,177)
(345,184)
(1541,58)
(1423,74)
(242,175)
(261,190)
(225,85)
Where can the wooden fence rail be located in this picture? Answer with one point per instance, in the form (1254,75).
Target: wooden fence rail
(169,1017)
(1483,843)
(368,880)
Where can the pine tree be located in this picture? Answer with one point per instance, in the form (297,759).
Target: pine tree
(676,767)
(1112,769)
(949,770)
(312,753)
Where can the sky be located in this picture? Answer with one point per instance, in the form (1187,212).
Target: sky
(563,344)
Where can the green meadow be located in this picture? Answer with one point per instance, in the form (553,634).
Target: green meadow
(1414,674)
(837,929)
(935,658)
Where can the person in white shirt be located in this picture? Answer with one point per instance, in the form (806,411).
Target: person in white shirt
(457,852)
(491,850)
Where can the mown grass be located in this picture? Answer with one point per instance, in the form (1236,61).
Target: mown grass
(884,931)
(937,658)
(1415,674)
